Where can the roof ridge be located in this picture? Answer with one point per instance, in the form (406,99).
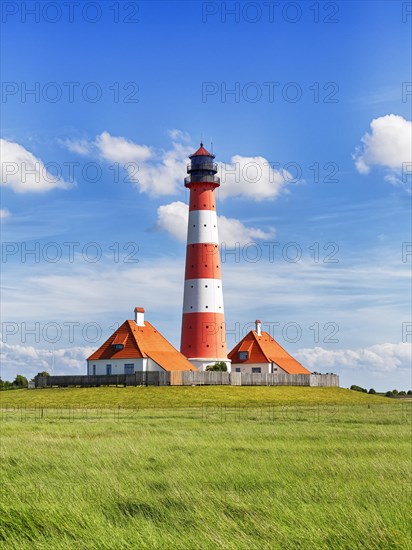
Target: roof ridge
(132,330)
(255,335)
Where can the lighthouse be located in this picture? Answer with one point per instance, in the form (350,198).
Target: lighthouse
(203,339)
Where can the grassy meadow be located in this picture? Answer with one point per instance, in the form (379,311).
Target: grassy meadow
(204,467)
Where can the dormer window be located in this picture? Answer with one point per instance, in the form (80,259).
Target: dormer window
(119,342)
(243,355)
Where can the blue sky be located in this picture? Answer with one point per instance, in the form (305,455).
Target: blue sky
(317,135)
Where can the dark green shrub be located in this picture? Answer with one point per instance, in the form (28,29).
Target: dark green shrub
(219,366)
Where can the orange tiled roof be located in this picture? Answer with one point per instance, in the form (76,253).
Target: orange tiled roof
(144,341)
(264,349)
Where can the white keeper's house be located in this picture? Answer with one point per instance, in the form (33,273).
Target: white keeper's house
(136,346)
(258,352)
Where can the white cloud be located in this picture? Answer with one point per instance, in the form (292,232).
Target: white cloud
(389,144)
(80,146)
(153,172)
(4,213)
(120,149)
(28,360)
(165,175)
(24,173)
(173,217)
(161,172)
(380,358)
(252,177)
(233,231)
(178,135)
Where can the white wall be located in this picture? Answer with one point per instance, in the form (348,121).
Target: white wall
(265,368)
(152,366)
(117,365)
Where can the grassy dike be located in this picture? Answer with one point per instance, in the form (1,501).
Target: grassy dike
(204,467)
(184,396)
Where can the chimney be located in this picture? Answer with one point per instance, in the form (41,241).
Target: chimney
(258,327)
(139,316)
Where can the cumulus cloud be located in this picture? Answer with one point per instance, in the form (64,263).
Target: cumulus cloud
(389,145)
(252,177)
(153,172)
(120,149)
(380,358)
(165,175)
(28,360)
(173,217)
(4,213)
(79,146)
(22,172)
(161,172)
(178,135)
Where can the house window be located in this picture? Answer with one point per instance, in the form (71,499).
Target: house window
(108,369)
(129,368)
(94,370)
(237,369)
(256,370)
(243,355)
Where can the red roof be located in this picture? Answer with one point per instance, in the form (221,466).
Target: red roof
(139,342)
(201,152)
(264,349)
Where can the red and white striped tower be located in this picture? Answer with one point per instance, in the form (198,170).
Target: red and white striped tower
(203,324)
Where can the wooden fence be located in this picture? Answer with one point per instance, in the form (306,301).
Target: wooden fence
(199,378)
(136,379)
(190,378)
(193,378)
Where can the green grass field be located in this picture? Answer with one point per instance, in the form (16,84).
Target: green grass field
(204,467)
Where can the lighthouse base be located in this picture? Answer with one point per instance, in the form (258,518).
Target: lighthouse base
(202,362)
